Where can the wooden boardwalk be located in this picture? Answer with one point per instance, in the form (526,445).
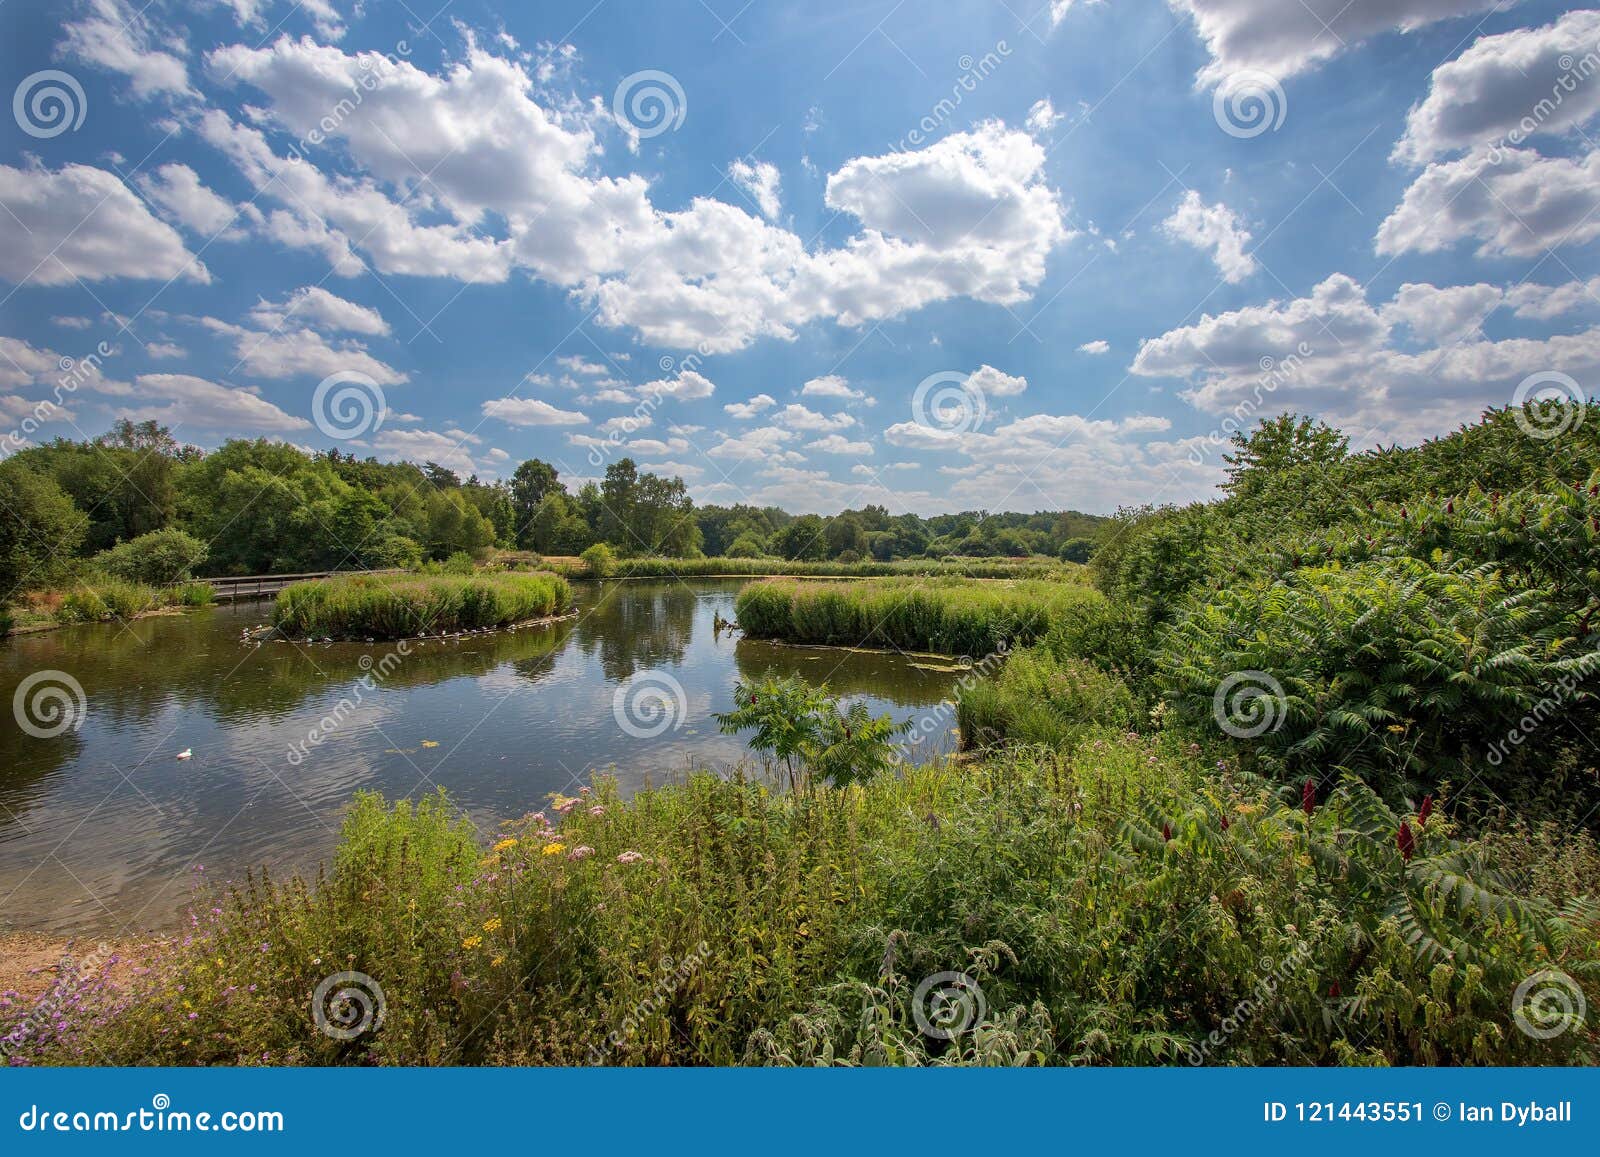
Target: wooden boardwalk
(231,588)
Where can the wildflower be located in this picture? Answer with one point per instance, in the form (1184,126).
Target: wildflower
(1166,831)
(492,925)
(472,942)
(1308,797)
(505,845)
(597,810)
(630,858)
(581,852)
(553,849)
(497,962)
(538,816)
(1224,823)
(1425,811)
(1405,841)
(563,805)
(583,791)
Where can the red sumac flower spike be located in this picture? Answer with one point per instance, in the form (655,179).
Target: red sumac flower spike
(1308,796)
(1334,990)
(1425,811)
(1405,841)
(1166,831)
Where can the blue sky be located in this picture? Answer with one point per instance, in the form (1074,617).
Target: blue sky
(1013,255)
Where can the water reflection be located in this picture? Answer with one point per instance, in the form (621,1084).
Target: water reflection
(100,827)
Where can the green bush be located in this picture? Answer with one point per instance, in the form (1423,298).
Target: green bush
(599,561)
(459,563)
(1403,671)
(158,558)
(399,606)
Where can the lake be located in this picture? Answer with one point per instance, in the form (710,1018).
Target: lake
(103,827)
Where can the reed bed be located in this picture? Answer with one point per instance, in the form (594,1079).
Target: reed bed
(947,615)
(402,606)
(984,568)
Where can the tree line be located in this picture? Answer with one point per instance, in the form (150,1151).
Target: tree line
(139,503)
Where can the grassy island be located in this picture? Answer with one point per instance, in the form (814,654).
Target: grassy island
(402,606)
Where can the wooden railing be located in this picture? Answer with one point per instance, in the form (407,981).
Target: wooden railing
(259,586)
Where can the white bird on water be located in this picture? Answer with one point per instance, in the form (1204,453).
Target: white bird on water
(186,753)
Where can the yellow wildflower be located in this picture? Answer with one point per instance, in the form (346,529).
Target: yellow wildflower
(497,962)
(554,849)
(492,925)
(505,845)
(472,941)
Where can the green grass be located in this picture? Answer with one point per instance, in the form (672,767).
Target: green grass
(990,568)
(1115,907)
(1036,698)
(948,615)
(401,606)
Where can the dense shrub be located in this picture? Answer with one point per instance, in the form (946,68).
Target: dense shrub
(397,606)
(160,557)
(1390,666)
(599,560)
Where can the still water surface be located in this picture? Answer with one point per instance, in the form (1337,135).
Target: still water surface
(101,828)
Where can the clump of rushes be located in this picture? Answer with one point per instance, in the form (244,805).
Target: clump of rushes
(948,615)
(402,606)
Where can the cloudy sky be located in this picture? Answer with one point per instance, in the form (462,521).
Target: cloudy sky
(1023,254)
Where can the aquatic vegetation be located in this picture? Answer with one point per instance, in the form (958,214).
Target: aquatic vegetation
(947,615)
(401,606)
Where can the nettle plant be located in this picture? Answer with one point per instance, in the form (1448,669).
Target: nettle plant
(803,727)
